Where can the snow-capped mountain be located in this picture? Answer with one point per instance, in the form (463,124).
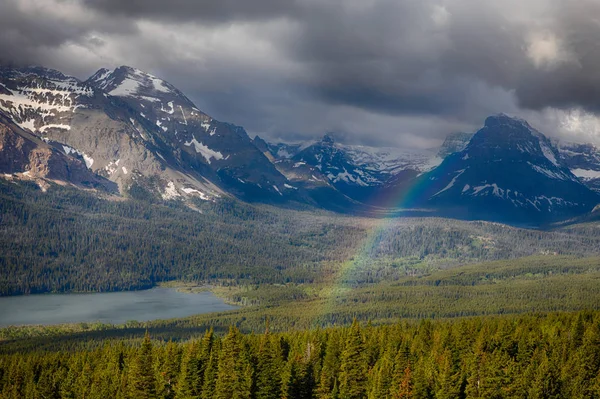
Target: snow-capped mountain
(129,129)
(392,160)
(340,169)
(221,152)
(508,171)
(584,162)
(141,132)
(357,171)
(85,122)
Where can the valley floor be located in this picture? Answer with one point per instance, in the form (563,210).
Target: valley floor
(532,285)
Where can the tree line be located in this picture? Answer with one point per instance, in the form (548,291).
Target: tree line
(535,356)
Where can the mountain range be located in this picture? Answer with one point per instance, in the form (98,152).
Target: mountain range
(125,132)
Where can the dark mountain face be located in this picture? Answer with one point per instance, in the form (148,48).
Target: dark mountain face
(285,150)
(508,171)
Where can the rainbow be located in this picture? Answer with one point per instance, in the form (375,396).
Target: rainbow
(395,203)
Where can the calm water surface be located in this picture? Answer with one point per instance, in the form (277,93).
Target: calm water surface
(110,307)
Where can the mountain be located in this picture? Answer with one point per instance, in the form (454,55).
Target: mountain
(584,162)
(454,142)
(286,150)
(336,165)
(24,156)
(509,171)
(221,152)
(359,172)
(140,132)
(126,131)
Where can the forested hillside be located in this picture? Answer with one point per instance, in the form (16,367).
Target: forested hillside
(66,240)
(524,286)
(535,356)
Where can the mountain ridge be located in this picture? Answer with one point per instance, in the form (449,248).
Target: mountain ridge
(140,132)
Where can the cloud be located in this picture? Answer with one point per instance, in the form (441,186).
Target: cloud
(546,51)
(381,71)
(204,11)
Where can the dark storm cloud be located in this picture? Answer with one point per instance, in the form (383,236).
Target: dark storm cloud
(310,66)
(576,81)
(207,11)
(28,29)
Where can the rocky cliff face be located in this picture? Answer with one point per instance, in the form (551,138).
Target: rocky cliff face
(24,156)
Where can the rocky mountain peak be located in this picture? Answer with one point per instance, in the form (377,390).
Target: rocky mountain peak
(508,170)
(260,144)
(327,140)
(504,137)
(128,82)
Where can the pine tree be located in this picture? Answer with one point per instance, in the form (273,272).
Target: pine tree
(353,370)
(382,376)
(402,380)
(546,384)
(190,379)
(210,373)
(448,379)
(142,382)
(292,379)
(268,383)
(234,376)
(170,371)
(330,369)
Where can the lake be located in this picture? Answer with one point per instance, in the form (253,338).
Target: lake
(109,307)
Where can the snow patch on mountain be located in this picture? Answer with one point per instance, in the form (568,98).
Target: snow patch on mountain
(54,126)
(202,149)
(158,84)
(89,161)
(202,196)
(170,192)
(586,173)
(497,191)
(451,184)
(127,87)
(559,174)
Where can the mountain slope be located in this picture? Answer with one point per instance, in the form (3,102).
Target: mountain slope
(584,162)
(454,142)
(508,171)
(76,118)
(140,132)
(360,172)
(220,151)
(23,156)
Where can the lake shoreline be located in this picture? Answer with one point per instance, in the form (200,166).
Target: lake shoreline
(109,308)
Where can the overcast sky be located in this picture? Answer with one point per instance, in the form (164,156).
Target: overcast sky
(399,72)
